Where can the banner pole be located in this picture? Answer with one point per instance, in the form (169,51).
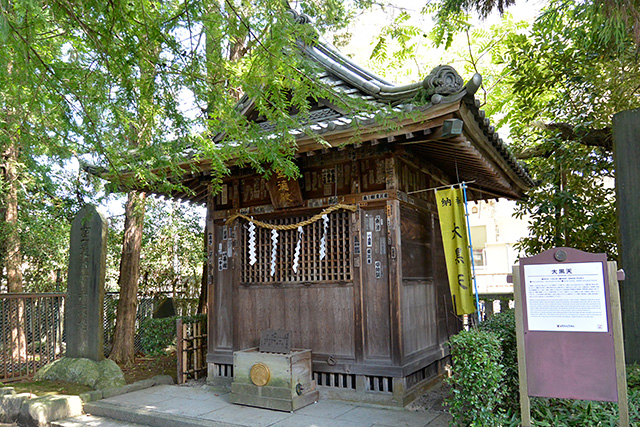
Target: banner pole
(473,265)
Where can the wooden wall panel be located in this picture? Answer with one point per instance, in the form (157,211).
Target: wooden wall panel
(220,258)
(258,308)
(420,306)
(416,234)
(373,174)
(448,323)
(319,317)
(419,316)
(330,180)
(375,285)
(253,191)
(209,245)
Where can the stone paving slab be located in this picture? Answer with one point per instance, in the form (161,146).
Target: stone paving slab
(170,406)
(388,417)
(239,415)
(326,409)
(138,399)
(195,393)
(441,420)
(148,417)
(309,421)
(92,421)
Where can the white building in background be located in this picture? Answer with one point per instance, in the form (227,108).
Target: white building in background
(494,232)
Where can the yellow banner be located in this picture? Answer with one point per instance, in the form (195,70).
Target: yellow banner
(455,240)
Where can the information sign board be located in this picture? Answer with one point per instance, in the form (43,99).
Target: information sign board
(568,339)
(569,329)
(568,297)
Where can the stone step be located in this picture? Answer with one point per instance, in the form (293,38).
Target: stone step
(141,416)
(92,420)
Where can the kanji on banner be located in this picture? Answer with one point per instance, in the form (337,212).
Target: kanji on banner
(455,240)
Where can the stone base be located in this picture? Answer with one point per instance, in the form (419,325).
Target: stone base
(98,375)
(39,412)
(10,404)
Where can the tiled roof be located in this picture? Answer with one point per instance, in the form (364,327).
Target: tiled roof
(442,86)
(481,156)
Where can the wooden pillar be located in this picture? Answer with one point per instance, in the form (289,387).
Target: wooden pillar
(626,128)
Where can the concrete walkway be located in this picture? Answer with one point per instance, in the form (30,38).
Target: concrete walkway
(171,405)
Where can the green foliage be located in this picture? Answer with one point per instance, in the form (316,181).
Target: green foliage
(156,335)
(485,359)
(555,87)
(578,413)
(503,325)
(172,249)
(403,34)
(565,90)
(633,376)
(88,80)
(478,375)
(448,23)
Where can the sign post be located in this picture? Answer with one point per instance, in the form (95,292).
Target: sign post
(569,329)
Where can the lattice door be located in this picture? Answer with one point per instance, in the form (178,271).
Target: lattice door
(335,267)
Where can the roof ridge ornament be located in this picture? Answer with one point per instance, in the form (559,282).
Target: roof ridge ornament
(299,18)
(443,80)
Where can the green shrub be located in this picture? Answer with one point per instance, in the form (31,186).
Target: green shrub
(475,377)
(156,335)
(504,326)
(633,376)
(477,381)
(579,413)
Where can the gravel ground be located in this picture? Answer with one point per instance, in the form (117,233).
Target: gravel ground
(431,400)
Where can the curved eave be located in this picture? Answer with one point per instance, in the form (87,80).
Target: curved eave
(474,156)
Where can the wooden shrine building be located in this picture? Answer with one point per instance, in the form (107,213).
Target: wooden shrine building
(375,309)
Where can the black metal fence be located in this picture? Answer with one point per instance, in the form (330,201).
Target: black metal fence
(31,333)
(32,328)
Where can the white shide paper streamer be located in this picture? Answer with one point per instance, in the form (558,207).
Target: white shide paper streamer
(296,255)
(274,249)
(323,241)
(252,244)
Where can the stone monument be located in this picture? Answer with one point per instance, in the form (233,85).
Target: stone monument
(84,361)
(85,287)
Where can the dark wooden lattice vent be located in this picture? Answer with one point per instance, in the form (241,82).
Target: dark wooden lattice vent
(335,267)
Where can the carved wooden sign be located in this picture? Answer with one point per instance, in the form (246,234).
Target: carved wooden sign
(284,192)
(275,341)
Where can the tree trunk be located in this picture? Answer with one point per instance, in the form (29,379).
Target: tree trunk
(12,245)
(123,351)
(141,134)
(3,241)
(14,254)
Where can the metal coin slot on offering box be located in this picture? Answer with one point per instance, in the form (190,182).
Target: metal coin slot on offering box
(274,375)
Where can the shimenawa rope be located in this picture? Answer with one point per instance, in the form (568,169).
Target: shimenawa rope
(317,217)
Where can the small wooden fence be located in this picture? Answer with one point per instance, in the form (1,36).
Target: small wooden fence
(31,333)
(191,349)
